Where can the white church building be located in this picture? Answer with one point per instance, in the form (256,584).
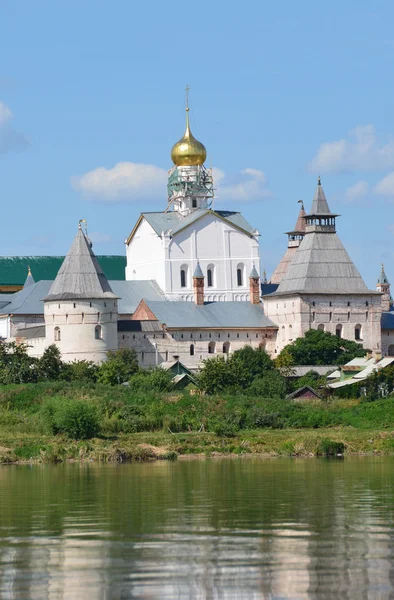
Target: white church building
(193,288)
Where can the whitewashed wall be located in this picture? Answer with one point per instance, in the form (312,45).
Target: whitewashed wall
(211,241)
(145,255)
(295,315)
(77,321)
(162,346)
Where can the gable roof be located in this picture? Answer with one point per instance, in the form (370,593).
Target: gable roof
(211,315)
(80,275)
(302,390)
(173,222)
(13,269)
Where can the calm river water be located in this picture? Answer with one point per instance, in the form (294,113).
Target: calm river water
(199,529)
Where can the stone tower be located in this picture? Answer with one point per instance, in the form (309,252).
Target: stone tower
(383,286)
(294,239)
(81,310)
(322,289)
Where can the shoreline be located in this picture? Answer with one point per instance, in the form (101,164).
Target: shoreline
(21,448)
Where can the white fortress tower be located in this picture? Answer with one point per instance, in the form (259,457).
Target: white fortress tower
(167,246)
(81,310)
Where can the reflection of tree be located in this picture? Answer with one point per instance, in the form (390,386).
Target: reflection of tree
(204,528)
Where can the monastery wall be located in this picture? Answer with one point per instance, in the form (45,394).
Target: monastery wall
(341,315)
(192,346)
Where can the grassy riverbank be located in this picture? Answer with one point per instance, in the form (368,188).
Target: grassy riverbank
(157,445)
(52,422)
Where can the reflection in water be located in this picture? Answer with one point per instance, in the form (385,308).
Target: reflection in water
(214,529)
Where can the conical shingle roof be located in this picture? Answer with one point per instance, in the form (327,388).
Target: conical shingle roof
(300,225)
(383,277)
(320,204)
(80,275)
(321,264)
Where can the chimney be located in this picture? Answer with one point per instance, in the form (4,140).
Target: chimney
(254,286)
(198,285)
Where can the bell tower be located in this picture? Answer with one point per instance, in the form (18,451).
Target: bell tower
(190,183)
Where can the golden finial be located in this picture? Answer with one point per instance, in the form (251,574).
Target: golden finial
(188,151)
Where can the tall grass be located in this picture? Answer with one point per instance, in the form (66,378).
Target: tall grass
(118,409)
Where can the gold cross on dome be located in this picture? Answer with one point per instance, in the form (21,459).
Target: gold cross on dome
(187,90)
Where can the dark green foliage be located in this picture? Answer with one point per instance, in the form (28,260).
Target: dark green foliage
(330,448)
(234,373)
(157,380)
(379,384)
(81,370)
(50,365)
(119,367)
(77,419)
(269,385)
(15,364)
(321,348)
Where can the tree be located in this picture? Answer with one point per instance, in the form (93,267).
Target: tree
(269,385)
(255,361)
(320,348)
(50,365)
(219,374)
(82,370)
(119,366)
(16,366)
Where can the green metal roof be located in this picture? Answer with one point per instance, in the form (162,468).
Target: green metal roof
(13,269)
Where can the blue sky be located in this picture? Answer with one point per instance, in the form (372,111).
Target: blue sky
(280,92)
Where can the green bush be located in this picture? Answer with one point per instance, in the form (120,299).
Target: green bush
(328,447)
(269,385)
(77,419)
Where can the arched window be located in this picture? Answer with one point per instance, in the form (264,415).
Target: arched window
(211,348)
(191,349)
(338,331)
(210,276)
(357,332)
(240,274)
(98,332)
(184,276)
(56,335)
(321,327)
(226,348)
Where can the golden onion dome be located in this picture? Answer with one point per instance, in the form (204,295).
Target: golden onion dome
(188,151)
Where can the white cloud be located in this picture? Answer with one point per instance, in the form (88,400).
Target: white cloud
(99,238)
(10,139)
(249,184)
(385,187)
(361,152)
(138,181)
(126,180)
(356,191)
